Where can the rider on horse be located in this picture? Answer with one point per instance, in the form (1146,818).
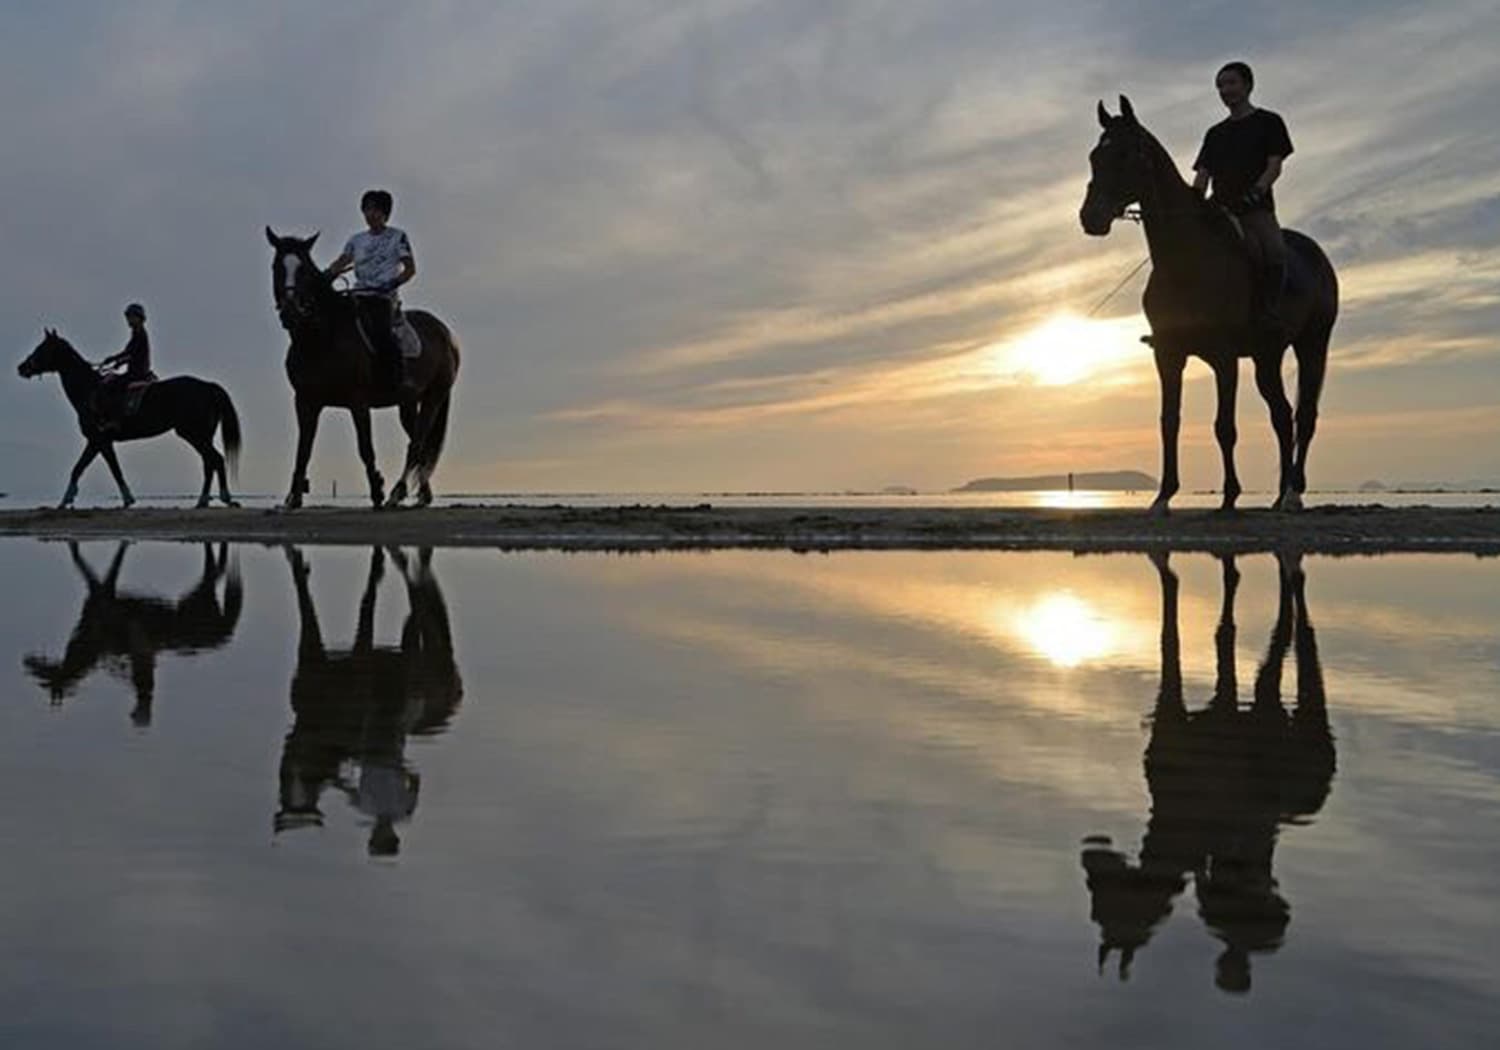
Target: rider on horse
(382,260)
(1242,157)
(114,394)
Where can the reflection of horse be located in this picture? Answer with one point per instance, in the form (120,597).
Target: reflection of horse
(356,707)
(193,409)
(330,363)
(126,631)
(1223,780)
(1198,303)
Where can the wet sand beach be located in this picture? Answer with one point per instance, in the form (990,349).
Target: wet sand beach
(1322,530)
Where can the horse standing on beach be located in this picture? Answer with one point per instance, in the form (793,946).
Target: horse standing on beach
(191,408)
(1198,302)
(330,363)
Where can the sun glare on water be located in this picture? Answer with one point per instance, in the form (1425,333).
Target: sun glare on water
(1065,630)
(1067,349)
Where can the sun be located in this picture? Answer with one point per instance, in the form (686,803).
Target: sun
(1067,349)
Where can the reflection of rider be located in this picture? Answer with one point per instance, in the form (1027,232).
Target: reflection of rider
(1242,157)
(136,357)
(1222,780)
(382,260)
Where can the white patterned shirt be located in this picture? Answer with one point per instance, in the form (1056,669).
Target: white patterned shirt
(377,258)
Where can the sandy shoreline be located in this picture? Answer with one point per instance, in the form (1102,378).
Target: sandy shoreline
(1324,530)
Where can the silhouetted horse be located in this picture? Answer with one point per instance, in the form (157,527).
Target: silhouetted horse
(1198,302)
(191,408)
(125,631)
(330,363)
(1223,780)
(356,707)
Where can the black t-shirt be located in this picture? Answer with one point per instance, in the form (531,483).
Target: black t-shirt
(138,355)
(1235,152)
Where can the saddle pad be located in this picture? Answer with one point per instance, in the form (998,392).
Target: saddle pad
(407,338)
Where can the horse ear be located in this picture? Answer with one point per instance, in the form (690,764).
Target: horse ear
(1103,115)
(272,239)
(313,239)
(1126,109)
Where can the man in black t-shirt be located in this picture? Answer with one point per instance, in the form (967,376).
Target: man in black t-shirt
(1241,157)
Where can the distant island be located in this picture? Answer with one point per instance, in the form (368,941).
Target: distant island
(1105,480)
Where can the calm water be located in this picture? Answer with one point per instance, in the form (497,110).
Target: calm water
(337,798)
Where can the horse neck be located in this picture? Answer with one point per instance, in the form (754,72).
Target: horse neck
(79,379)
(1169,207)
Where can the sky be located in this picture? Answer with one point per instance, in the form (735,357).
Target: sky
(742,244)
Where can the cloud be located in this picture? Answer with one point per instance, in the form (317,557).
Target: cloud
(645,215)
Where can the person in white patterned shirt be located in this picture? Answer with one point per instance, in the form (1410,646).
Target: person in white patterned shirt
(382,261)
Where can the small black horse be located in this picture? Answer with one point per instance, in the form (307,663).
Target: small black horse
(1198,302)
(191,408)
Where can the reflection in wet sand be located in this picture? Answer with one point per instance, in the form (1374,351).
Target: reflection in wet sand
(356,707)
(125,631)
(1223,780)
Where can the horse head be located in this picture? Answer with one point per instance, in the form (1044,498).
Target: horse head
(48,356)
(296,281)
(1119,169)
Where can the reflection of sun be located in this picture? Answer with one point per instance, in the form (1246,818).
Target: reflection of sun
(1066,630)
(1065,349)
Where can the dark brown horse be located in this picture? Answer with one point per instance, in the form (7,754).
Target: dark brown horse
(1198,302)
(330,363)
(1224,779)
(191,408)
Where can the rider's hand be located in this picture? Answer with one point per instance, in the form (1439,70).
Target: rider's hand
(1253,198)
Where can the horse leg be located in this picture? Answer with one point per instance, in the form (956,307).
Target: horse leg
(409,420)
(307,429)
(213,464)
(1169,366)
(1227,378)
(1312,367)
(84,459)
(361,417)
(1268,382)
(108,451)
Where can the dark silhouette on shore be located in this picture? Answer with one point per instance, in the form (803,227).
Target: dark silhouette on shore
(191,408)
(125,632)
(1223,780)
(1199,303)
(354,708)
(330,363)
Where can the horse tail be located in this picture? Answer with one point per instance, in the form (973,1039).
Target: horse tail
(229,423)
(433,447)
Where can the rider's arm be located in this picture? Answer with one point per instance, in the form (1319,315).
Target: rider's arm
(340,265)
(408,271)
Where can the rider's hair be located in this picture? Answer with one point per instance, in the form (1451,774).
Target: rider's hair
(1242,68)
(136,310)
(380,199)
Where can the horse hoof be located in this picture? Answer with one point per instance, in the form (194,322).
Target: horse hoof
(230,502)
(1290,501)
(202,504)
(1159,509)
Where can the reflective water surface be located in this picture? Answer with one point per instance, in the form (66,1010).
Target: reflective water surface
(342,797)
